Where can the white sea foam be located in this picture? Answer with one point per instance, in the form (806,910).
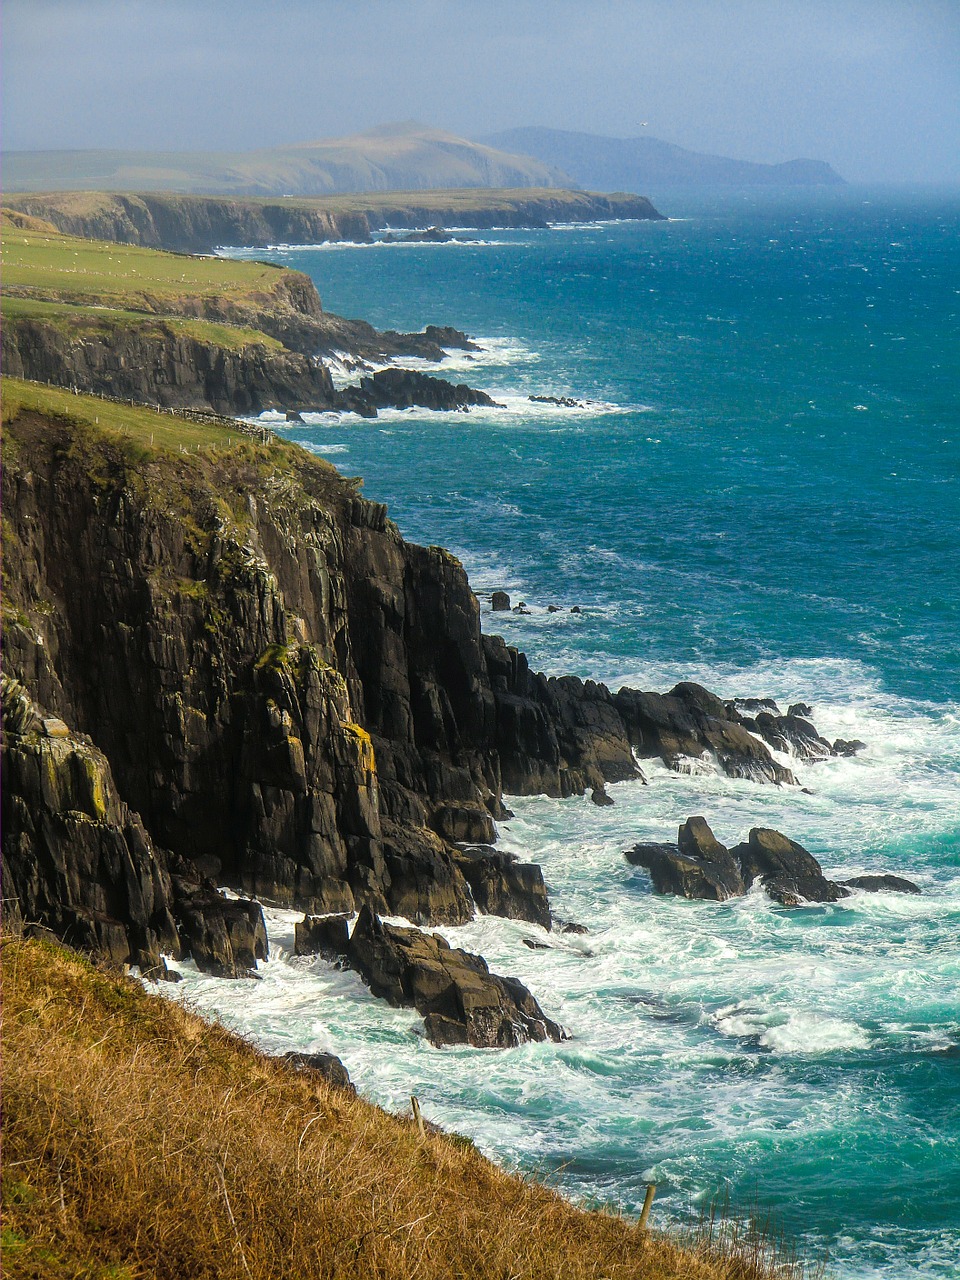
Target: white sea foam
(494,353)
(787,1032)
(284,248)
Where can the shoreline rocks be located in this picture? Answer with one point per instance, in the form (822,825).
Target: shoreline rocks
(396,388)
(460,1000)
(699,866)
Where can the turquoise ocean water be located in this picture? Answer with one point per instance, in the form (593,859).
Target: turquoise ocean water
(762,494)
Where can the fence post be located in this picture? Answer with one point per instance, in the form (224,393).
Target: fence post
(417,1116)
(647,1202)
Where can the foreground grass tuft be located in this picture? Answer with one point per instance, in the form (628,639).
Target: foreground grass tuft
(142,1141)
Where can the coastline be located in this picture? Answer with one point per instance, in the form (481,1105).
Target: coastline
(759,1029)
(199,224)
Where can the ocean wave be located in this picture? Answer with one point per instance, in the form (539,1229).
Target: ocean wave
(806,1033)
(325,246)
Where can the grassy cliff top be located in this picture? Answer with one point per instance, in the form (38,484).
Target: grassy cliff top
(143,1141)
(181,460)
(47,264)
(141,427)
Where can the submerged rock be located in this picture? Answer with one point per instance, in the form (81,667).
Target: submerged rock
(882,884)
(461,1001)
(843,747)
(563,402)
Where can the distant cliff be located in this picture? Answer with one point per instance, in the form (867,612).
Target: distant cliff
(649,164)
(199,224)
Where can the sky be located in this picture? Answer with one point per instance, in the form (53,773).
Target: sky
(871,86)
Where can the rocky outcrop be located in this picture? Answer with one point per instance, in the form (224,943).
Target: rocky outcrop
(689,727)
(502,885)
(791,734)
(429,235)
(461,1001)
(697,866)
(224,936)
(788,873)
(326,1065)
(327,936)
(405,388)
(557,736)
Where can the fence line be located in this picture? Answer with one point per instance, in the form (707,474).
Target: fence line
(207,417)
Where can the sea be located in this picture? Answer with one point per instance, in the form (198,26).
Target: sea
(757,489)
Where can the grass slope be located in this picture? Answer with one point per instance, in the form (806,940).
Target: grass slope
(144,431)
(393,157)
(141,1141)
(84,288)
(56,267)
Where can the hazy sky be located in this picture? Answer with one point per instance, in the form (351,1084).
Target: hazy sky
(872,86)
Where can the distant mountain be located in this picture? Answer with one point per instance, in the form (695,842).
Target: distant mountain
(398,157)
(644,164)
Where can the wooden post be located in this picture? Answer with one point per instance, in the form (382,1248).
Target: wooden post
(417,1116)
(647,1202)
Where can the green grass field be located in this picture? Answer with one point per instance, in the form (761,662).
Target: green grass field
(59,267)
(145,427)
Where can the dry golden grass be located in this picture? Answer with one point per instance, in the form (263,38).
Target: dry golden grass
(141,1141)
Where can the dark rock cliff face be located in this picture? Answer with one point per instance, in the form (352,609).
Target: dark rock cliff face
(199,224)
(160,366)
(154,364)
(296,701)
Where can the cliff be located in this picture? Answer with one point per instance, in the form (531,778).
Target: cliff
(157,362)
(176,331)
(293,699)
(199,224)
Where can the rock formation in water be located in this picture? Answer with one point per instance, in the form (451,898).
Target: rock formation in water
(699,866)
(462,1002)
